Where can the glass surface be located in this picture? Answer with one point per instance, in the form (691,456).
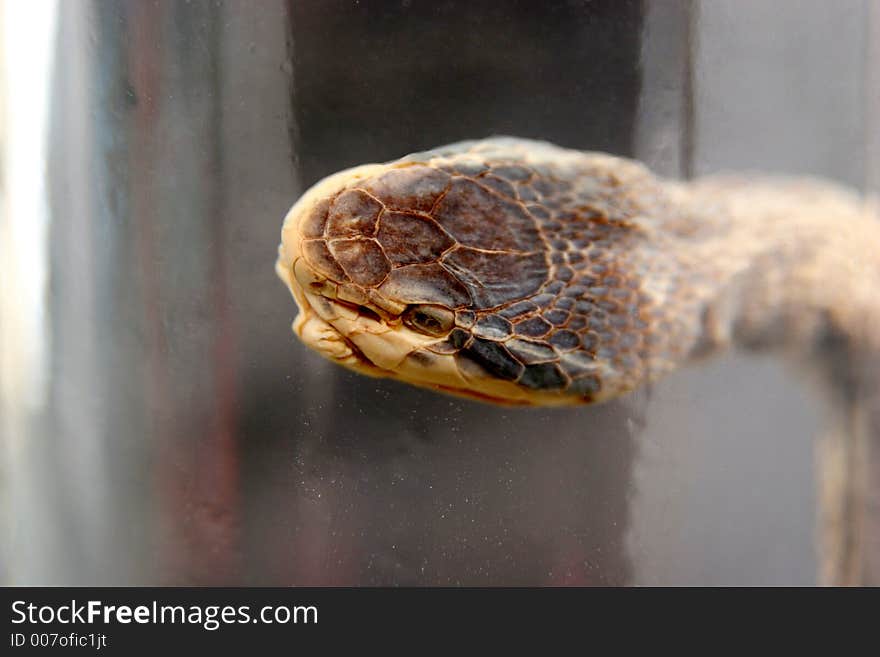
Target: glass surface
(176,432)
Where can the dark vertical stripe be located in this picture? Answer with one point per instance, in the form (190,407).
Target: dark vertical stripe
(374,81)
(689,90)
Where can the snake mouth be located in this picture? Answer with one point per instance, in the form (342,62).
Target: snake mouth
(371,340)
(367,338)
(331,325)
(339,345)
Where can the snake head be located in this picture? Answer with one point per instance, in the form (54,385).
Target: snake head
(436,270)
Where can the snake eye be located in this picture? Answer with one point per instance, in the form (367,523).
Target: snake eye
(432,320)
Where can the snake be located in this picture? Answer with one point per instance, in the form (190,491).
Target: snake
(518,272)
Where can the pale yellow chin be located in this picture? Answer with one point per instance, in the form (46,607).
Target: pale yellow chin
(371,346)
(374,347)
(342,334)
(339,333)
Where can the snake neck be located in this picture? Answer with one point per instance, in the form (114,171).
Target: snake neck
(793,263)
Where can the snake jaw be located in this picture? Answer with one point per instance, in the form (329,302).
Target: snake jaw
(371,341)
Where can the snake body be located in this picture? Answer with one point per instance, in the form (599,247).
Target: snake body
(519,272)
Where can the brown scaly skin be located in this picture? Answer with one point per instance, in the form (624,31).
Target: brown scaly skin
(562,277)
(517,272)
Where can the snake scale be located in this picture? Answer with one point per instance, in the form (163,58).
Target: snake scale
(518,272)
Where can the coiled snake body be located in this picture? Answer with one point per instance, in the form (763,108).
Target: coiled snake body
(518,272)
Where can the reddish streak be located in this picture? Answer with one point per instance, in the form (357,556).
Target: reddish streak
(196,477)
